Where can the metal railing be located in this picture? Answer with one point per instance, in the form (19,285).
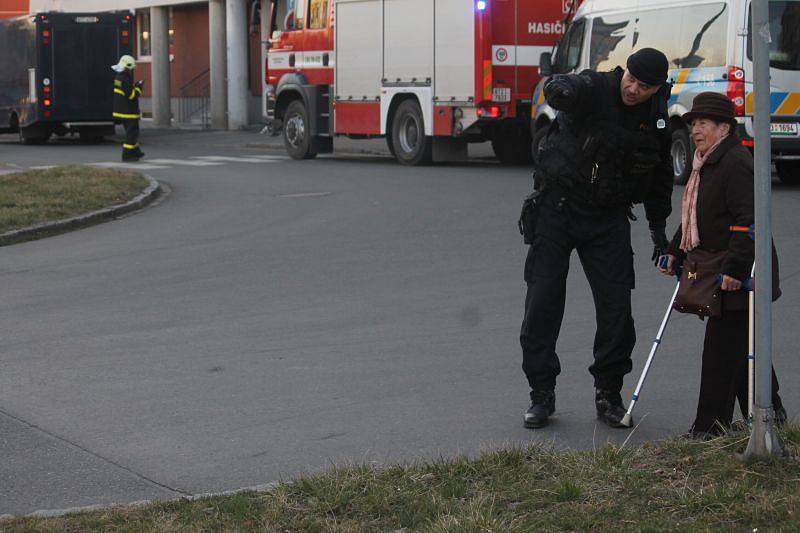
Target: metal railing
(193,100)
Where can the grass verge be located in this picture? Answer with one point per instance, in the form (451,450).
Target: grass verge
(36,196)
(677,484)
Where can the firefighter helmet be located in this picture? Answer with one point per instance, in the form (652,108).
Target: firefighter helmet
(126,62)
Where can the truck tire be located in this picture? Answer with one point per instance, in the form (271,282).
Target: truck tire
(511,143)
(28,136)
(297,132)
(682,151)
(411,145)
(788,172)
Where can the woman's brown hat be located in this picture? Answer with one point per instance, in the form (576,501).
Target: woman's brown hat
(712,105)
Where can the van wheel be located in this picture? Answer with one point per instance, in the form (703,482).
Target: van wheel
(536,143)
(512,144)
(411,145)
(682,152)
(297,132)
(788,172)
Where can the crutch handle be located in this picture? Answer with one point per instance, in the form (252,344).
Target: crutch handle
(747,285)
(662,262)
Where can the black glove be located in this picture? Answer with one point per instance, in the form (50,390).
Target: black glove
(660,243)
(561,92)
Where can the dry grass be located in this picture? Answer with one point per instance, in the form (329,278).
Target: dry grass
(676,485)
(35,196)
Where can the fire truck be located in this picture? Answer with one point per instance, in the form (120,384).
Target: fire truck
(428,75)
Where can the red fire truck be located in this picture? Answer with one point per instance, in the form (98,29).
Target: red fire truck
(428,75)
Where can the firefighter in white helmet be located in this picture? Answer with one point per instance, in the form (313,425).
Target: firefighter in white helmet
(126,106)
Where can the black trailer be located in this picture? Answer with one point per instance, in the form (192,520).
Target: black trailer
(55,73)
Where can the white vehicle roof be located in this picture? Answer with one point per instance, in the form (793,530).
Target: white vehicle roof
(601,6)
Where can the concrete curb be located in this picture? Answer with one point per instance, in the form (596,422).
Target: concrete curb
(46,229)
(56,513)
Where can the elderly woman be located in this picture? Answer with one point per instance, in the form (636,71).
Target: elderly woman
(719,195)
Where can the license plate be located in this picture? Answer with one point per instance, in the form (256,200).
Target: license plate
(784,129)
(501,94)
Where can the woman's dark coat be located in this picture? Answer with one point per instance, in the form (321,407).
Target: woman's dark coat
(725,199)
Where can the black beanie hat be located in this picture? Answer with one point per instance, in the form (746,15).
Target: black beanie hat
(649,65)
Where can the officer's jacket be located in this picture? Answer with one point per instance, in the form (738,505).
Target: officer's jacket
(604,154)
(126,96)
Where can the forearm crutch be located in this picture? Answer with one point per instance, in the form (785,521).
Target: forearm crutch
(749,286)
(626,420)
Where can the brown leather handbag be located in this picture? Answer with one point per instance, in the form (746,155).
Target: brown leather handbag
(699,292)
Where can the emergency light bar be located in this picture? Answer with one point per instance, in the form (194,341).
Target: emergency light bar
(480,5)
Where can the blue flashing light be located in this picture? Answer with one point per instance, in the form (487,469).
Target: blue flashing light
(480,5)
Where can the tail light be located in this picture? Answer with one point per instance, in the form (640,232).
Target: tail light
(124,37)
(45,36)
(736,90)
(47,102)
(490,112)
(47,90)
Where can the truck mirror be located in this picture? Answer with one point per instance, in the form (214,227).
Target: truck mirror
(545,64)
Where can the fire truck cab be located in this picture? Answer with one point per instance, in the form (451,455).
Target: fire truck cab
(428,76)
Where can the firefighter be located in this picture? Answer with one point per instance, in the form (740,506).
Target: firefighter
(608,149)
(126,106)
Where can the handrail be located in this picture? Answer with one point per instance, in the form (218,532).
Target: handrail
(194,98)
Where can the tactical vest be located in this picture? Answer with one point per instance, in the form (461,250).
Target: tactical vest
(591,158)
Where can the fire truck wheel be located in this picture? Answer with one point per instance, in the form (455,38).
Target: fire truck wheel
(411,145)
(296,132)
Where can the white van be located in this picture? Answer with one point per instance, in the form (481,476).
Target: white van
(709,48)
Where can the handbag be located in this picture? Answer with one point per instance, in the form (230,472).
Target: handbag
(699,292)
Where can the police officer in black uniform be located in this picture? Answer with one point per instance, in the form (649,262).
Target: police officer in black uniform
(608,149)
(126,106)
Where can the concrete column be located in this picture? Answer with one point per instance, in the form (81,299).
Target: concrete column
(217,43)
(159,38)
(236,30)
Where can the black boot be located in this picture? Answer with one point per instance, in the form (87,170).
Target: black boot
(543,404)
(609,407)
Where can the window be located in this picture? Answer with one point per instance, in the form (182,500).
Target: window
(690,37)
(611,42)
(568,56)
(318,15)
(784,25)
(143,25)
(145,35)
(295,14)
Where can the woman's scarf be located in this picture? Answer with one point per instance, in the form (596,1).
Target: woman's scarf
(690,239)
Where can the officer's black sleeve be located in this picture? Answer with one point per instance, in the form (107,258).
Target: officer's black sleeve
(658,203)
(572,93)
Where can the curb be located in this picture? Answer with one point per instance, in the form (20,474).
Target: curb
(46,229)
(56,513)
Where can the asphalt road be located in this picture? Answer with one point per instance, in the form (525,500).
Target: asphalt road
(272,317)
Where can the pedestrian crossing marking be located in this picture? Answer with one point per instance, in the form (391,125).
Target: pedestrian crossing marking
(230,159)
(184,162)
(134,166)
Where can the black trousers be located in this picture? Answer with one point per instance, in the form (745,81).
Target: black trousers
(723,379)
(131,145)
(602,239)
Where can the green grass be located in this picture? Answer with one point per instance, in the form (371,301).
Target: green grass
(35,196)
(678,484)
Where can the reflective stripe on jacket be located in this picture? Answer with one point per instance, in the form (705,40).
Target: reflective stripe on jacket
(126,97)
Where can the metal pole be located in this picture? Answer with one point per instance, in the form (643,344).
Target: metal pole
(763,440)
(159,29)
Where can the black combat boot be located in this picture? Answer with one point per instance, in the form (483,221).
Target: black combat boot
(543,404)
(609,407)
